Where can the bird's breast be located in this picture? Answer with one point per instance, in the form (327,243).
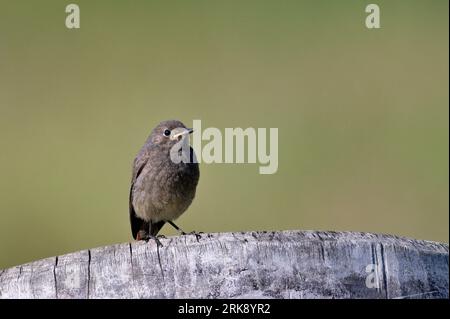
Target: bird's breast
(164,190)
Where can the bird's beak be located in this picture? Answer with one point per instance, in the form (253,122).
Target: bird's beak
(184,132)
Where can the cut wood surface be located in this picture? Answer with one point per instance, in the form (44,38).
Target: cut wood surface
(286,264)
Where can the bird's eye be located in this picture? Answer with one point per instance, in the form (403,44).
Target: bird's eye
(166,133)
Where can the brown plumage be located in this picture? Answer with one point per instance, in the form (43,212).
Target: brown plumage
(161,190)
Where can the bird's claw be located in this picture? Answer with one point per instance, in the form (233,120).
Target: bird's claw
(156,239)
(197,234)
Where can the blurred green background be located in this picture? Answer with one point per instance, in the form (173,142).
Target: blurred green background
(362,115)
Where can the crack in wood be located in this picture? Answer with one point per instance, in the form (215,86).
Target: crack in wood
(54,276)
(322,251)
(374,255)
(20,272)
(159,261)
(322,246)
(382,286)
(384,268)
(131,253)
(131,260)
(89,273)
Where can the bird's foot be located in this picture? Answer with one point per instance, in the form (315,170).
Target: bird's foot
(156,239)
(197,234)
(181,232)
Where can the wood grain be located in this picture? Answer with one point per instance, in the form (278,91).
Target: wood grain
(287,264)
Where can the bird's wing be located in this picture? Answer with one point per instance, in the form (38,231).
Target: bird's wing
(136,223)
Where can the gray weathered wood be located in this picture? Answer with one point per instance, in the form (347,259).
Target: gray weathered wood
(288,264)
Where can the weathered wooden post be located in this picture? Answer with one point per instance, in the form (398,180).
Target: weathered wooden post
(288,264)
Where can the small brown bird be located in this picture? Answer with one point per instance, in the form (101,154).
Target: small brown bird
(161,189)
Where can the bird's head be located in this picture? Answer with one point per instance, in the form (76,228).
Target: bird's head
(168,133)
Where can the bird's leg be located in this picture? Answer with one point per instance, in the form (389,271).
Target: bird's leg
(176,227)
(197,235)
(155,238)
